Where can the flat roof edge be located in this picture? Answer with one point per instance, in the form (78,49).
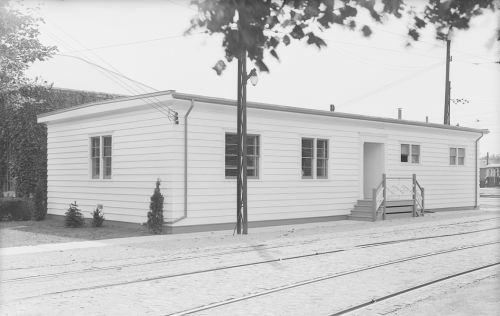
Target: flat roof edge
(273,107)
(85,105)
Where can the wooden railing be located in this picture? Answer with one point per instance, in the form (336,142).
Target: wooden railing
(406,188)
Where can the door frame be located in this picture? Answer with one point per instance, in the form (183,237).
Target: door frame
(370,138)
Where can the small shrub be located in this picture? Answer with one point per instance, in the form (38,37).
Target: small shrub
(74,217)
(97,218)
(155,215)
(40,209)
(16,209)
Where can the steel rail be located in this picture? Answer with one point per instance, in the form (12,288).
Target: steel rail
(413,288)
(286,287)
(356,247)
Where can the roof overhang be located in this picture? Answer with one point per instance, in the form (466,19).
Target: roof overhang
(114,105)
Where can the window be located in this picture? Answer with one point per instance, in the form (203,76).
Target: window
(457,156)
(410,153)
(231,156)
(101,157)
(311,162)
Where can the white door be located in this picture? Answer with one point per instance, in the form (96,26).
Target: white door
(373,167)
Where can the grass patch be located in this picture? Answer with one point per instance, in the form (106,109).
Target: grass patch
(16,234)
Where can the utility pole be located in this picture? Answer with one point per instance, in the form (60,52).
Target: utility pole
(447,86)
(241,177)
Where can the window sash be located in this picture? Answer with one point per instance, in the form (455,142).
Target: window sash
(410,153)
(101,157)
(307,157)
(457,156)
(231,156)
(322,159)
(107,157)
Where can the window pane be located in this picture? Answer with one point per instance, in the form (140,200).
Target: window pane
(231,161)
(231,139)
(415,158)
(231,158)
(231,149)
(95,168)
(461,152)
(453,151)
(107,168)
(306,172)
(461,161)
(453,160)
(404,158)
(231,172)
(405,149)
(415,149)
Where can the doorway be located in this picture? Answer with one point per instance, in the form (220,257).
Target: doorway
(373,167)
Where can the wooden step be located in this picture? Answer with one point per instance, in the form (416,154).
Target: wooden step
(365,202)
(359,218)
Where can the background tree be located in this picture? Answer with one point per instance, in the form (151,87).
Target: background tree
(262,25)
(19,45)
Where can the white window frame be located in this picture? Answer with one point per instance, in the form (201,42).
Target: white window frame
(410,153)
(258,157)
(315,158)
(101,157)
(456,148)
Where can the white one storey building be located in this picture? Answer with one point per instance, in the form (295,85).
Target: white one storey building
(303,165)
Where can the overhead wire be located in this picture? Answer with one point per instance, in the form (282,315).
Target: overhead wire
(171,115)
(120,83)
(393,84)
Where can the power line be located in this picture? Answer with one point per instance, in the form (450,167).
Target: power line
(171,115)
(105,69)
(133,43)
(391,85)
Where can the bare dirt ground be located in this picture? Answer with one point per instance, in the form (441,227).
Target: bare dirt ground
(31,233)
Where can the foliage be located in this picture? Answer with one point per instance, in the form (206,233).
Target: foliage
(24,138)
(155,215)
(260,26)
(19,45)
(74,217)
(97,218)
(16,209)
(492,158)
(40,201)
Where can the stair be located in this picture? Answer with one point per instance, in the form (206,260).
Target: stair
(363,211)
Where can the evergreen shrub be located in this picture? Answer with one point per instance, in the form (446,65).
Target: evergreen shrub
(97,218)
(155,215)
(74,217)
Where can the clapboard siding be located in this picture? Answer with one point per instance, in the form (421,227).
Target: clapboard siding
(140,156)
(146,145)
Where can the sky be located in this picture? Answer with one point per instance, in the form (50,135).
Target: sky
(144,41)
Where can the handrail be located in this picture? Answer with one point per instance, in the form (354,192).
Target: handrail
(416,191)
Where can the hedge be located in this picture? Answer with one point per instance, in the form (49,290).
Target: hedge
(16,209)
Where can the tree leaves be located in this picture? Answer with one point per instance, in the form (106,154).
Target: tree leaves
(19,45)
(366,31)
(260,25)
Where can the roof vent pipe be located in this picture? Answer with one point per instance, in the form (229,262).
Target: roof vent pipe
(332,107)
(400,113)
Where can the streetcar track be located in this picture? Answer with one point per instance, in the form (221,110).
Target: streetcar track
(118,267)
(336,275)
(250,264)
(413,288)
(290,244)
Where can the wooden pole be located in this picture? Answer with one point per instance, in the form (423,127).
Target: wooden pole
(414,195)
(384,185)
(374,205)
